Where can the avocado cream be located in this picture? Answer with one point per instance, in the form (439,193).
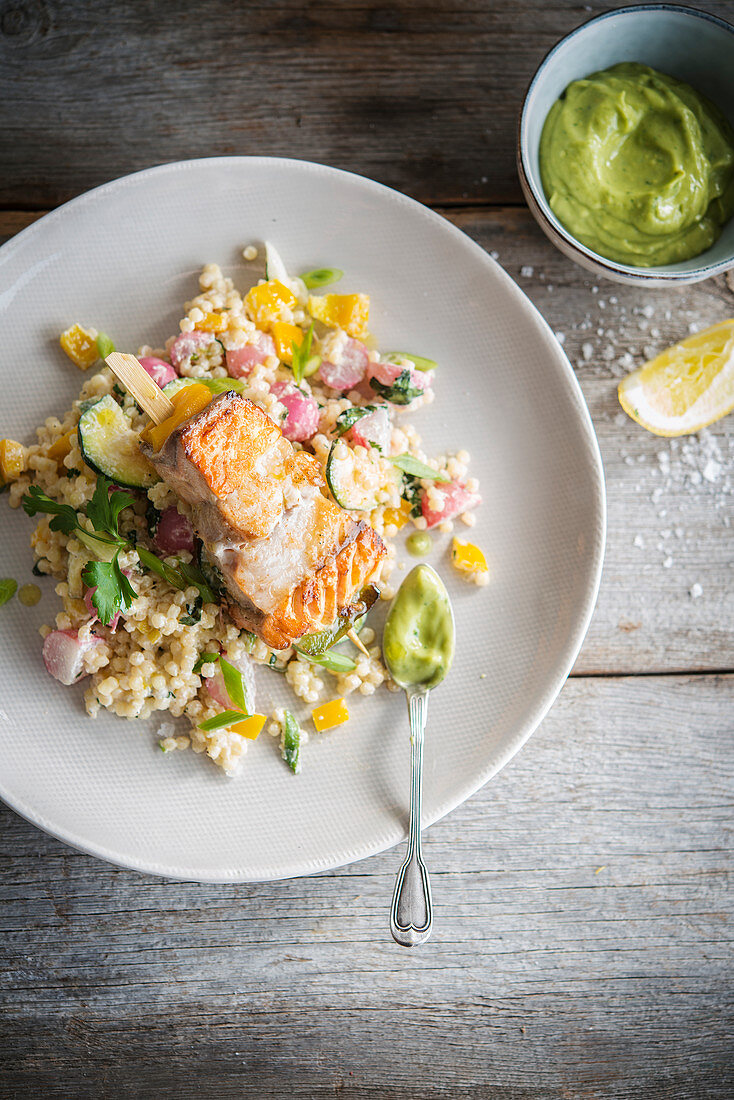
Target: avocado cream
(638,166)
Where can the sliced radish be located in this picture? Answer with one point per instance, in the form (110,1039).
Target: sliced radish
(375,428)
(63,655)
(161,372)
(174,532)
(456,499)
(343,362)
(302,420)
(240,361)
(187,347)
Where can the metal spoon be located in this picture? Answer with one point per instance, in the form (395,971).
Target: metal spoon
(411,913)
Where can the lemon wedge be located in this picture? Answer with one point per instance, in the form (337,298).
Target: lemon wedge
(686,387)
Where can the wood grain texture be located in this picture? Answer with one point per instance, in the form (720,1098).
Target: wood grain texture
(420,94)
(582,948)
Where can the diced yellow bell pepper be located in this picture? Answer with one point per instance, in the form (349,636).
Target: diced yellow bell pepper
(60,449)
(283,336)
(213,322)
(328,715)
(189,401)
(398,517)
(12,460)
(467,557)
(80,344)
(266,303)
(348,311)
(251,726)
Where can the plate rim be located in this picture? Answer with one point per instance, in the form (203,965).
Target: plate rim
(571,650)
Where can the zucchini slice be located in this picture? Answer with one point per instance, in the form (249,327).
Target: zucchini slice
(216,385)
(353,479)
(110,446)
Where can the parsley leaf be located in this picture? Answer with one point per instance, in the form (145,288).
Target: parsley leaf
(104,508)
(113,591)
(412,466)
(65,518)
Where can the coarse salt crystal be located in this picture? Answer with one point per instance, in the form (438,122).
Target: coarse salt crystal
(667,563)
(711,470)
(638,541)
(695,591)
(527,271)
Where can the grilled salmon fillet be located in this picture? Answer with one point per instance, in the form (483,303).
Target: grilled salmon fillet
(291,559)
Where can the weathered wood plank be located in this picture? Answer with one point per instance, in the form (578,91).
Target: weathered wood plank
(422,96)
(661,509)
(583,942)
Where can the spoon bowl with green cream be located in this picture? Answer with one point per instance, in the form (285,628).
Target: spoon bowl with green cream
(418,647)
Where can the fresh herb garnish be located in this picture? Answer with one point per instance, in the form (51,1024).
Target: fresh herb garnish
(291,743)
(113,591)
(105,506)
(105,346)
(321,276)
(334,662)
(234,682)
(193,613)
(219,721)
(205,659)
(304,363)
(399,392)
(347,419)
(8,588)
(412,493)
(415,468)
(419,361)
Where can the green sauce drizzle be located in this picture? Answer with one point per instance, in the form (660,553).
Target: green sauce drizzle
(419,544)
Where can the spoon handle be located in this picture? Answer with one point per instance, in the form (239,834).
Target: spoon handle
(411,915)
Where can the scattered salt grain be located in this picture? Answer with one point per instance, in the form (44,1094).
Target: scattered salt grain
(638,541)
(527,271)
(587,350)
(695,591)
(667,563)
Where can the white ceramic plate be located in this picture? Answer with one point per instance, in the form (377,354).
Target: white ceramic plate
(124,258)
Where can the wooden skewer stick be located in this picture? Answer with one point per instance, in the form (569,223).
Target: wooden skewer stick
(354,637)
(138,382)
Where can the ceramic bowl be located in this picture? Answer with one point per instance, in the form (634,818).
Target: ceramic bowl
(690,45)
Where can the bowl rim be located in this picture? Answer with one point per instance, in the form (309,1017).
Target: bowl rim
(538,206)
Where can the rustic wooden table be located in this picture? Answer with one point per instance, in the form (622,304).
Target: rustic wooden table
(582,945)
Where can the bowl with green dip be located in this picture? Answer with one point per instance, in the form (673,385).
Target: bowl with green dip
(626,145)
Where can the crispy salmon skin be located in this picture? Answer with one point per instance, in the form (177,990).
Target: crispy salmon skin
(291,559)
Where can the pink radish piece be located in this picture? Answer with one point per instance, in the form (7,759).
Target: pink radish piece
(174,532)
(302,420)
(217,690)
(187,346)
(63,655)
(387,373)
(93,610)
(347,365)
(161,372)
(457,499)
(373,428)
(240,361)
